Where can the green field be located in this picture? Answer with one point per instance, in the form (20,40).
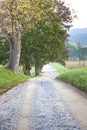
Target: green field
(8,79)
(76,77)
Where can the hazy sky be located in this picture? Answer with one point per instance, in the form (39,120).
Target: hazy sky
(81,7)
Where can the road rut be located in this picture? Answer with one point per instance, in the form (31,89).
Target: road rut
(36,105)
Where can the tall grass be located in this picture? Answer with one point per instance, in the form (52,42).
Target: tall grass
(59,67)
(76,77)
(8,79)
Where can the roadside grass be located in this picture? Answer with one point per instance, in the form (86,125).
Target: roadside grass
(32,72)
(76,77)
(8,79)
(60,68)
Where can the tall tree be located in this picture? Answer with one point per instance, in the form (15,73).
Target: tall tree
(64,12)
(10,28)
(17,16)
(46,39)
(21,15)
(44,43)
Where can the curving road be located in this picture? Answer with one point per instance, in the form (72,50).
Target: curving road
(36,105)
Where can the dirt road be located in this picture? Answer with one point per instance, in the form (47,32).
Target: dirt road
(41,104)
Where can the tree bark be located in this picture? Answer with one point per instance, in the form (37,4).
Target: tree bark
(15,43)
(37,69)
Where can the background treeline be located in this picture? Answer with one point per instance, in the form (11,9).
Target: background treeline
(77,52)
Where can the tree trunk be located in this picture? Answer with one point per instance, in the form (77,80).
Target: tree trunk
(37,69)
(15,43)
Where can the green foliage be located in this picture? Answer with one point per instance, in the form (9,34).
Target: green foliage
(4,50)
(43,43)
(64,13)
(76,77)
(82,53)
(45,22)
(32,72)
(8,79)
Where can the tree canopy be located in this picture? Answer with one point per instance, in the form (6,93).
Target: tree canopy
(45,23)
(43,43)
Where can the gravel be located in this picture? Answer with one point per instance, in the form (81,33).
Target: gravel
(10,104)
(48,110)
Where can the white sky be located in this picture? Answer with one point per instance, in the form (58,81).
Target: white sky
(81,7)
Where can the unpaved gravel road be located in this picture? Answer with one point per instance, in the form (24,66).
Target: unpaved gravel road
(39,105)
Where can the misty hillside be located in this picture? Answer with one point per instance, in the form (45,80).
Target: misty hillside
(78,35)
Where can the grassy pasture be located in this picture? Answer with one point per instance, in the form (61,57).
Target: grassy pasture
(75,64)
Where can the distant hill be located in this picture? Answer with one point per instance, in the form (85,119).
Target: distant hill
(78,35)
